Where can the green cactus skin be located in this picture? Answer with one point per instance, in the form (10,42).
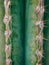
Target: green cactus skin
(31,33)
(46,34)
(2,39)
(17,32)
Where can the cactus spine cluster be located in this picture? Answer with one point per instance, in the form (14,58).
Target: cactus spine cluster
(7,21)
(40,25)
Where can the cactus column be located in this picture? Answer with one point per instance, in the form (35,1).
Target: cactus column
(7,21)
(34,32)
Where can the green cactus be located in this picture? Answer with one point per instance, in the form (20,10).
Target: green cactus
(31,33)
(2,39)
(25,30)
(46,34)
(34,32)
(17,31)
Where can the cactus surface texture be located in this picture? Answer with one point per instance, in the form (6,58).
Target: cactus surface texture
(17,32)
(24,32)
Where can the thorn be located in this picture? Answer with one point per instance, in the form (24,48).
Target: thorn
(8,61)
(8,33)
(40,9)
(8,50)
(46,5)
(40,1)
(7,27)
(7,47)
(7,19)
(39,38)
(40,24)
(45,26)
(45,39)
(39,53)
(38,64)
(7,3)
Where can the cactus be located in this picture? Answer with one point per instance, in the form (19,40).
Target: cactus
(16,25)
(2,40)
(34,32)
(46,34)
(17,32)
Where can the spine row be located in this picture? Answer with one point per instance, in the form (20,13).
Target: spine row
(7,21)
(40,25)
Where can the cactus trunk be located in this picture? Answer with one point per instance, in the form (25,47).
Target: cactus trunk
(17,11)
(2,40)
